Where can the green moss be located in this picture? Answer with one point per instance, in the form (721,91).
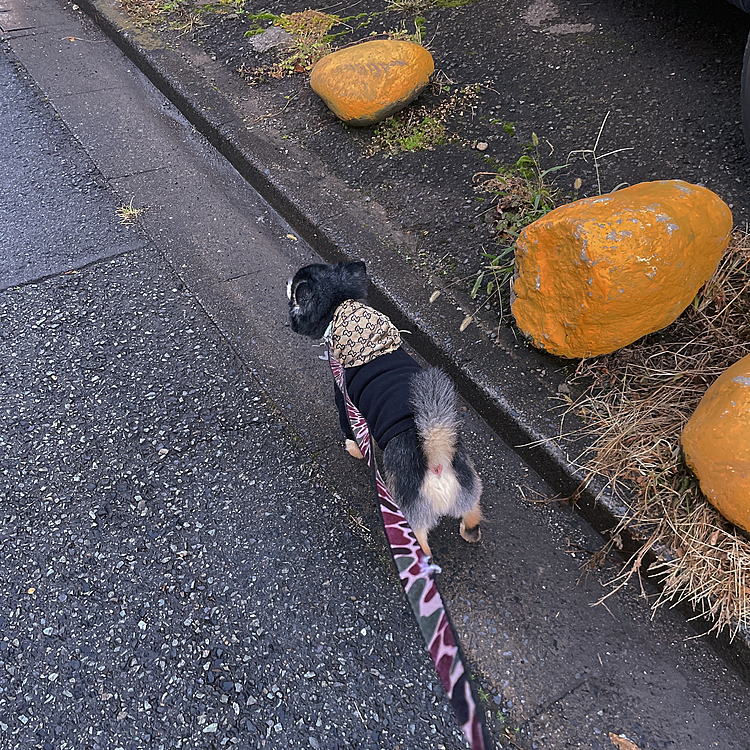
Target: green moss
(399,134)
(218,6)
(419,6)
(257,20)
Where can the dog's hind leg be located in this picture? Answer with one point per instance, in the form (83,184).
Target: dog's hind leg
(468,504)
(405,468)
(470,530)
(421,535)
(353,449)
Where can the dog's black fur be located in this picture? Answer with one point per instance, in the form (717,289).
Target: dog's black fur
(318,289)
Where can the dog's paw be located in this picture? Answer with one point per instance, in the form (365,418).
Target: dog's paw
(353,449)
(470,535)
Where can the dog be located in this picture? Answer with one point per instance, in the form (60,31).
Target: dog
(412,413)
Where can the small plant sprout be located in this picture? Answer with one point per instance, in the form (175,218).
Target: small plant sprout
(521,194)
(311,40)
(418,6)
(585,153)
(128,213)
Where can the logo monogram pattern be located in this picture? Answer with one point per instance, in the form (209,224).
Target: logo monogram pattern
(359,334)
(421,590)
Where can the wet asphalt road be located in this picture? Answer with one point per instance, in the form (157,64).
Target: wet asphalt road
(187,558)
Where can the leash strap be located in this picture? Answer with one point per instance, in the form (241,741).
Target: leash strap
(415,572)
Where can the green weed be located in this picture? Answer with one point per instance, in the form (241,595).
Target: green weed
(520,194)
(508,127)
(424,127)
(221,7)
(153,12)
(128,213)
(354,23)
(483,695)
(260,22)
(402,34)
(419,6)
(408,132)
(178,13)
(311,38)
(310,32)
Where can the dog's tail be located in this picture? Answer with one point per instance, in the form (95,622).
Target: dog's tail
(433,403)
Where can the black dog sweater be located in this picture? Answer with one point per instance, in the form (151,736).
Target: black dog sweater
(377,370)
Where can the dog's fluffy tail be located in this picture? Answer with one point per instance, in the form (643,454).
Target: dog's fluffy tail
(433,403)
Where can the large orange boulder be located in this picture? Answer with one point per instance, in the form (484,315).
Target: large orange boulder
(368,82)
(595,275)
(716,443)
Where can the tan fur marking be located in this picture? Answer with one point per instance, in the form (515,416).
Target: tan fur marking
(473,517)
(438,446)
(353,449)
(470,524)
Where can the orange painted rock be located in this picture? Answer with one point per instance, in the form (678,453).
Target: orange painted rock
(716,442)
(368,82)
(595,275)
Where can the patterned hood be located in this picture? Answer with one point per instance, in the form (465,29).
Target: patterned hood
(359,334)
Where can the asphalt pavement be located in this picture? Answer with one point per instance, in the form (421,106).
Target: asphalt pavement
(189,558)
(175,569)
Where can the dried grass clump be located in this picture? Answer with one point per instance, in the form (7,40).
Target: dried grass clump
(637,402)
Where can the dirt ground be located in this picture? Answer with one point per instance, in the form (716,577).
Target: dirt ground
(666,75)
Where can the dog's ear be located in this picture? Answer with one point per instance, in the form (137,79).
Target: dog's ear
(303,292)
(355,275)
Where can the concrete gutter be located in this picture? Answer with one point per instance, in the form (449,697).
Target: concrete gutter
(512,386)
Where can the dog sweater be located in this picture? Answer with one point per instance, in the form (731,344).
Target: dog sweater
(377,370)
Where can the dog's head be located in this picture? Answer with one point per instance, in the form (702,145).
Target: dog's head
(317,290)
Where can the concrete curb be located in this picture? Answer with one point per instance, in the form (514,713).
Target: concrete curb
(513,387)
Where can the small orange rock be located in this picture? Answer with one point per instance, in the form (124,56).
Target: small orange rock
(595,275)
(716,442)
(368,82)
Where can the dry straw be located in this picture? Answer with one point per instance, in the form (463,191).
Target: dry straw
(636,403)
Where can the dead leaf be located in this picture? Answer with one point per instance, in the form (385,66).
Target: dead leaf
(622,743)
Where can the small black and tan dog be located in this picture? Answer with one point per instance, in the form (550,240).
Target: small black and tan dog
(412,413)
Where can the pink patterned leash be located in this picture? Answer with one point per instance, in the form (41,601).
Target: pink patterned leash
(415,571)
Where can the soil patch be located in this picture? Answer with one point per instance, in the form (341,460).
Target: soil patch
(668,75)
